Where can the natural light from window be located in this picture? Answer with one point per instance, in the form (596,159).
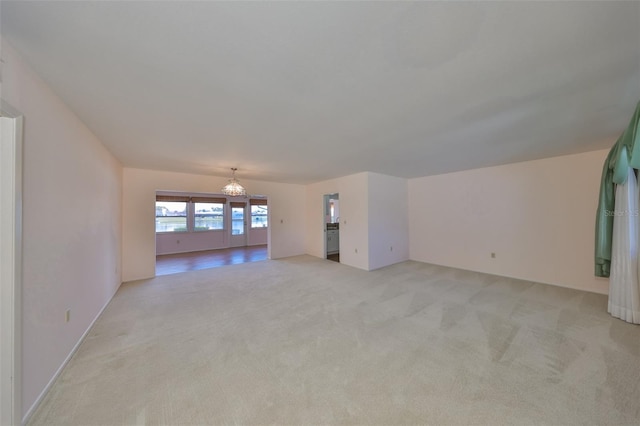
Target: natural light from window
(171,216)
(259,216)
(208,216)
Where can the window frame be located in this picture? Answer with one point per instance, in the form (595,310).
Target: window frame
(172,199)
(190,211)
(258,203)
(222,216)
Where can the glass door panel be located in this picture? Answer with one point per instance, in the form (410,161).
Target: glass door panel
(238,237)
(237,221)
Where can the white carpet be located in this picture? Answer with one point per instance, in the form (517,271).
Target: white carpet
(309,341)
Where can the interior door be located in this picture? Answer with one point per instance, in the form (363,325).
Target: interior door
(238,237)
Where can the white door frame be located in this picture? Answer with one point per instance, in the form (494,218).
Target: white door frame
(325,214)
(11,123)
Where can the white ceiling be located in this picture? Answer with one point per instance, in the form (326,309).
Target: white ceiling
(302,92)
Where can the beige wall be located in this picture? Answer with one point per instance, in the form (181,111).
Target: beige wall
(373,218)
(286,205)
(388,220)
(537,216)
(72,226)
(354,222)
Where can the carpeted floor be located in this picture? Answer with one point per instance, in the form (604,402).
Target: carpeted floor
(306,341)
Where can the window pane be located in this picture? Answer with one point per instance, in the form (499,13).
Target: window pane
(209,216)
(171,216)
(259,216)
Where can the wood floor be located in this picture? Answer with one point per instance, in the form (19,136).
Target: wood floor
(182,262)
(335,257)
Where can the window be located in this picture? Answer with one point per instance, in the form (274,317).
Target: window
(182,213)
(171,216)
(208,216)
(259,212)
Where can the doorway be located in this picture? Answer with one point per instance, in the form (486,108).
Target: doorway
(190,226)
(238,237)
(11,124)
(332,226)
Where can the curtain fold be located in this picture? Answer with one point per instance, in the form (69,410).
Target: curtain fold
(625,153)
(624,288)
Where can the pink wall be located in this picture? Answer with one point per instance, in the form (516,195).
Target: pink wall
(257,236)
(537,216)
(182,242)
(71,222)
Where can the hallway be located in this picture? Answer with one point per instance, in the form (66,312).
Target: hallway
(193,261)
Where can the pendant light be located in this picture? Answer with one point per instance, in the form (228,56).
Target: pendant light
(233,188)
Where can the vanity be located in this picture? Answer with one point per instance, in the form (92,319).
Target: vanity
(333,238)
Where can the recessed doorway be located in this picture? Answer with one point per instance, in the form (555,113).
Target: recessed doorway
(332,226)
(201,230)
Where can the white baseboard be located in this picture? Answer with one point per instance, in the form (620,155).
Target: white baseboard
(46,389)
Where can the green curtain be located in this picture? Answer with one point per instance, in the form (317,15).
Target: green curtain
(624,153)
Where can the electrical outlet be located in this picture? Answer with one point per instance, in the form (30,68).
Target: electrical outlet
(67,315)
(356,250)
(391,248)
(493,255)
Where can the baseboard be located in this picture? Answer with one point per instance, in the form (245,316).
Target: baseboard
(46,389)
(519,278)
(207,249)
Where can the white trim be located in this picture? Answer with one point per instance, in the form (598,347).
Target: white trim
(9,111)
(46,389)
(11,267)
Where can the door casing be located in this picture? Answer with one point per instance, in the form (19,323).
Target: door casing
(11,124)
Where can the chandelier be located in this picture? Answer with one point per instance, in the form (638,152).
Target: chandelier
(233,188)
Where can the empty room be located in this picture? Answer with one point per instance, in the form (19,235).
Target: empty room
(319,213)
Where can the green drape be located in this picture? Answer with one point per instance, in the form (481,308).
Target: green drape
(625,153)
